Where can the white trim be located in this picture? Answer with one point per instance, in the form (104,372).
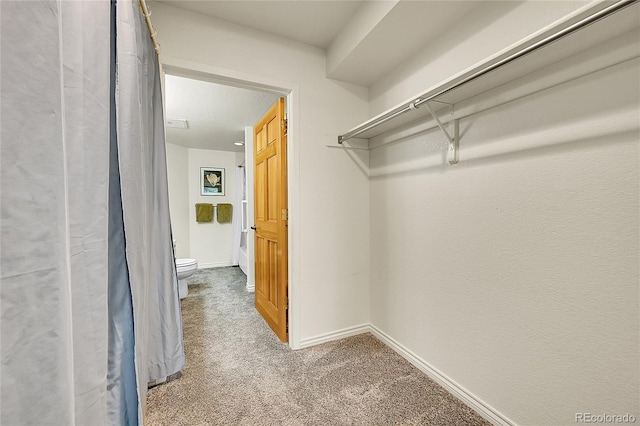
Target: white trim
(481,407)
(293,224)
(251,288)
(192,69)
(214,265)
(484,409)
(334,335)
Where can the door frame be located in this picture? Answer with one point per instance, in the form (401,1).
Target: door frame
(290,91)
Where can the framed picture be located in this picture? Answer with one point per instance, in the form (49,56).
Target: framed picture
(211,181)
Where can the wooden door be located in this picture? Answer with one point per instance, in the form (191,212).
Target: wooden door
(270,218)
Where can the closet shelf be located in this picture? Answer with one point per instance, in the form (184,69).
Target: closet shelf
(585,28)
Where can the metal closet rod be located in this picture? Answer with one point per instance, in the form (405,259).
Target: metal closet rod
(488,68)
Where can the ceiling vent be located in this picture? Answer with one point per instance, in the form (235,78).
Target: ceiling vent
(177,123)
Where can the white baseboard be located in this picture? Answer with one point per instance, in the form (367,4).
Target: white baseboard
(251,288)
(334,335)
(213,265)
(482,408)
(485,410)
(244,268)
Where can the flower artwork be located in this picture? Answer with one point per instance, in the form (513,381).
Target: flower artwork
(211,181)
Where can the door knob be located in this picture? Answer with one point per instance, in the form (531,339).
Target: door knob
(254,228)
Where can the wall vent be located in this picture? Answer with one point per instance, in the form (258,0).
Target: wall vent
(177,123)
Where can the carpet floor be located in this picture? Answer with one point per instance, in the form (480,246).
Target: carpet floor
(238,373)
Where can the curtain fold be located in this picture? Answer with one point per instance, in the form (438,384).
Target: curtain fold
(145,205)
(236,224)
(54,193)
(122,398)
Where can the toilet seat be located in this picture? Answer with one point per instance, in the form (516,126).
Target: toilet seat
(185,263)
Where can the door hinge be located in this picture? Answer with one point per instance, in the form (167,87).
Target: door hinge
(285,303)
(284,125)
(285,214)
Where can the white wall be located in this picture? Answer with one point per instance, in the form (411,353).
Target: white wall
(515,273)
(210,242)
(178,177)
(328,192)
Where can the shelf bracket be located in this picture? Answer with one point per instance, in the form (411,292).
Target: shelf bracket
(451,134)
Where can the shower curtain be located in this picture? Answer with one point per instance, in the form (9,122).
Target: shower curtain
(236,223)
(89,307)
(54,194)
(145,200)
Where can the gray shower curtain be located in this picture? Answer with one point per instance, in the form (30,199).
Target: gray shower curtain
(54,194)
(145,201)
(89,301)
(122,399)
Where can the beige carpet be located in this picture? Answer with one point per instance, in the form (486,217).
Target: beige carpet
(238,373)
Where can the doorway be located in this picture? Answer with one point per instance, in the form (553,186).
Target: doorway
(263,90)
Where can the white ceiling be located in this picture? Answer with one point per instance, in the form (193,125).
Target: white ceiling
(364,41)
(216,114)
(309,21)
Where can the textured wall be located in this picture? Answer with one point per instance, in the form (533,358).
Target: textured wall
(515,272)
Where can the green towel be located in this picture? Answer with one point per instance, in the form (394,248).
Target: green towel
(204,212)
(224,213)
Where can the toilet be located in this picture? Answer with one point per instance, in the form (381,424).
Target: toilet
(185,268)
